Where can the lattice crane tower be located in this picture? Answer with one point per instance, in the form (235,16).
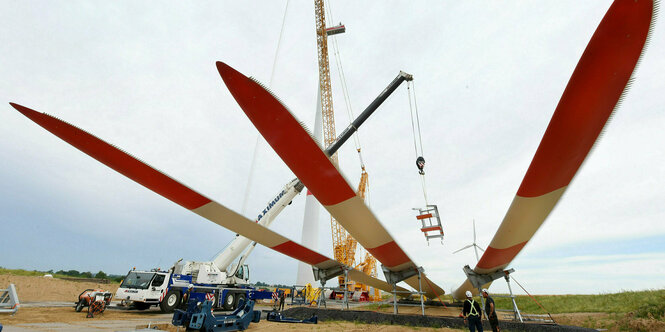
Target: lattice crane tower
(339,234)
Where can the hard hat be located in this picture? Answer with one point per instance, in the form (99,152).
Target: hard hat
(468,294)
(485,290)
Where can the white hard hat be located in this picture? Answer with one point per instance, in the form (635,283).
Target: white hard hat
(485,290)
(468,294)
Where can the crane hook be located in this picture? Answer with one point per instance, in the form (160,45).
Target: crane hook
(420,163)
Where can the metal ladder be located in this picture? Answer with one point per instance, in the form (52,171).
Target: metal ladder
(430,222)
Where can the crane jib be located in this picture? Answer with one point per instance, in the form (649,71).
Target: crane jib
(353,127)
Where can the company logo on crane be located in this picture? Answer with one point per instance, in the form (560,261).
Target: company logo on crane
(270,205)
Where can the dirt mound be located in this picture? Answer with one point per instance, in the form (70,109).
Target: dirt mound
(40,289)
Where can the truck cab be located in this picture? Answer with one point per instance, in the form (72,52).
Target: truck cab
(144,288)
(241,275)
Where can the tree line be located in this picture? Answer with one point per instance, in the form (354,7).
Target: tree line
(87,274)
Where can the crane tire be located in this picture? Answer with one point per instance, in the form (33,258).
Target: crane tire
(229,301)
(238,298)
(79,306)
(170,301)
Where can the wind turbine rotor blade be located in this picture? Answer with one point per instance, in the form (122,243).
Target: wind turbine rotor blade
(466,247)
(593,92)
(182,195)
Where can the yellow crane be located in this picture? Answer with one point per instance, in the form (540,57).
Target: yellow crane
(368,264)
(344,245)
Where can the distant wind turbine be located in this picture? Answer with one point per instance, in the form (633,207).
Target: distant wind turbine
(474,245)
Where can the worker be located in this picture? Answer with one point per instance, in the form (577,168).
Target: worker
(275,299)
(282,298)
(185,297)
(490,311)
(472,313)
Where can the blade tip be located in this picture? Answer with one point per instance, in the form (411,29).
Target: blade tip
(24,110)
(222,67)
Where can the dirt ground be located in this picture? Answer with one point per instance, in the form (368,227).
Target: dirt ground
(40,289)
(67,314)
(327,326)
(30,316)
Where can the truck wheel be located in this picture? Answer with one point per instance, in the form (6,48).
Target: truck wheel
(238,298)
(229,301)
(170,301)
(141,305)
(79,305)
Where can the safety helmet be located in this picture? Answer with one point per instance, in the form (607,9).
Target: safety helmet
(468,294)
(485,290)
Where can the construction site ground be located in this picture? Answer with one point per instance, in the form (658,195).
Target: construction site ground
(47,305)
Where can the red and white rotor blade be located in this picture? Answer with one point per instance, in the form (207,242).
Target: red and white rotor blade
(178,193)
(592,94)
(305,158)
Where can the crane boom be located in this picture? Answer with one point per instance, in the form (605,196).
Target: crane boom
(240,243)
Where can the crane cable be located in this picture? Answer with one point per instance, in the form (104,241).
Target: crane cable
(347,98)
(417,141)
(250,177)
(342,78)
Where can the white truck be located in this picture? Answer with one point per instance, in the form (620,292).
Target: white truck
(220,280)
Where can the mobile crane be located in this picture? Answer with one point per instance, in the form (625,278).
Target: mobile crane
(221,280)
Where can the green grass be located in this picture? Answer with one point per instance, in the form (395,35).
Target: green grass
(377,306)
(642,302)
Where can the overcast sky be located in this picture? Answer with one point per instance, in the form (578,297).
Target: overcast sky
(488,75)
